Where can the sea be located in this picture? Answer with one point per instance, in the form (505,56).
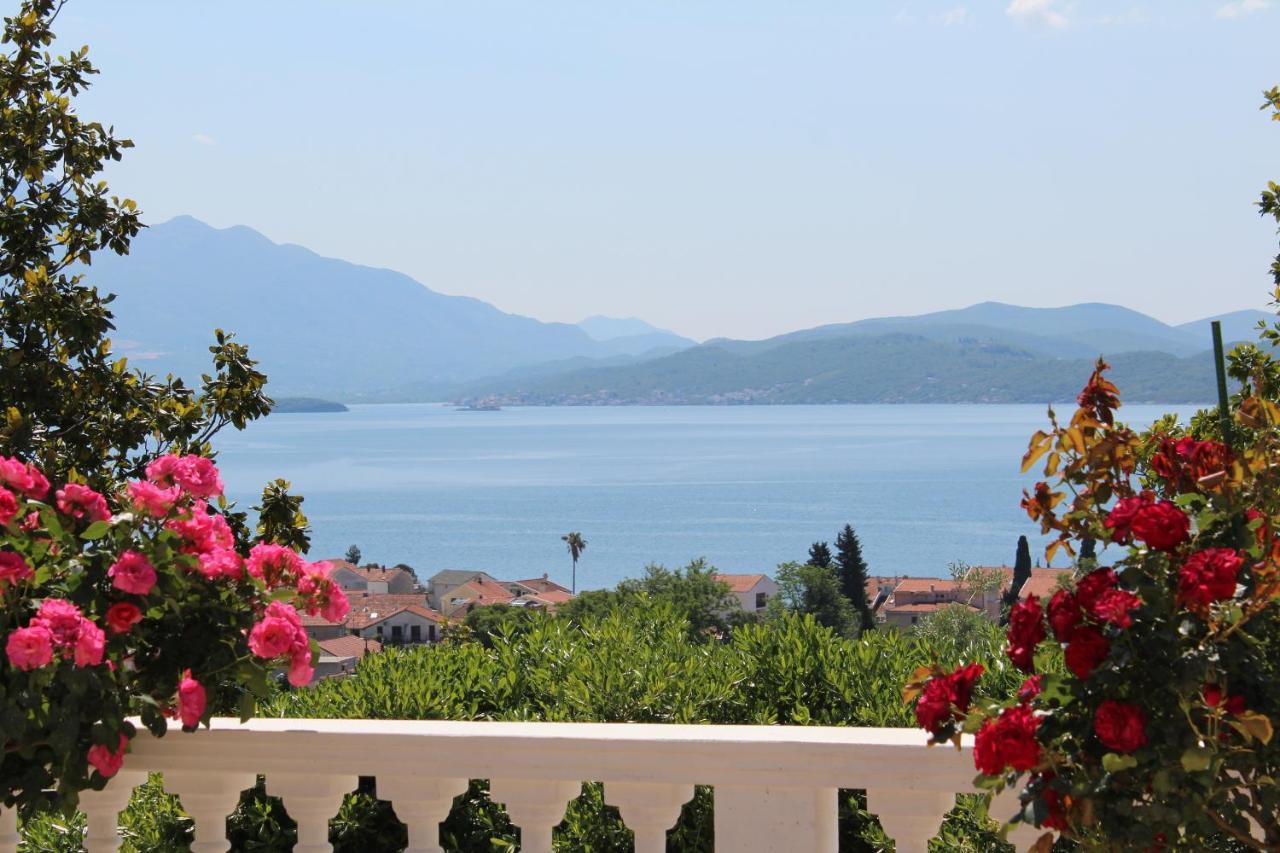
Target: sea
(743,487)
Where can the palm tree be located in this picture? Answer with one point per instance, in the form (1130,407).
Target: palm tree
(576,546)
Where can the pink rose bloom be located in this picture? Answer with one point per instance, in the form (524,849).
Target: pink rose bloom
(80,501)
(271,637)
(90,645)
(222,563)
(300,669)
(31,523)
(201,531)
(337,607)
(155,501)
(194,474)
(105,761)
(62,618)
(191,700)
(8,507)
(23,477)
(13,567)
(132,573)
(275,564)
(30,648)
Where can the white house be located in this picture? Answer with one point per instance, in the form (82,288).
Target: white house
(751,591)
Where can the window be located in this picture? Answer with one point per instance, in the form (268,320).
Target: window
(431,633)
(397,633)
(761,597)
(415,633)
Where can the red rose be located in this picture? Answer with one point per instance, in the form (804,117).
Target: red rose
(946,697)
(123,616)
(1093,585)
(1026,630)
(1086,650)
(1120,520)
(1064,614)
(1008,741)
(1120,726)
(1161,525)
(1209,575)
(1114,606)
(1057,814)
(1030,689)
(1212,695)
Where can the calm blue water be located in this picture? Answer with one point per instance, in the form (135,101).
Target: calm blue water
(746,487)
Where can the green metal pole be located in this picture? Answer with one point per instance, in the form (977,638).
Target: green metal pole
(1220,366)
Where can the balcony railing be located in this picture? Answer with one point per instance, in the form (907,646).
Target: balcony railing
(775,787)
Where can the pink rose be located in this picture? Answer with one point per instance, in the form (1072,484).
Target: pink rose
(123,616)
(220,563)
(13,568)
(194,474)
(275,564)
(23,477)
(271,637)
(105,761)
(8,507)
(202,531)
(300,669)
(155,501)
(90,644)
(80,501)
(337,607)
(191,700)
(30,648)
(62,618)
(132,573)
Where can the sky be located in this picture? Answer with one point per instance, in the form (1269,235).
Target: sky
(718,168)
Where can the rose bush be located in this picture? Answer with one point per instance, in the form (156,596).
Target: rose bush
(134,604)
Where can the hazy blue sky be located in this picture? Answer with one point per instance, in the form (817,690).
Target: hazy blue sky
(720,168)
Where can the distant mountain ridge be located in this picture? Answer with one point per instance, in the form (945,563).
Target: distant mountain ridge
(319,326)
(327,328)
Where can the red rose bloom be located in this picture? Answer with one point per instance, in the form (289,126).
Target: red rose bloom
(1008,741)
(1212,695)
(1064,615)
(946,698)
(123,616)
(1086,650)
(1120,726)
(1209,575)
(1057,816)
(1114,606)
(1120,520)
(1161,525)
(1093,585)
(1030,689)
(1026,630)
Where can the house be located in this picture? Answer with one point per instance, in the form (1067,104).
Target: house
(752,592)
(476,592)
(1042,583)
(375,580)
(906,615)
(395,624)
(339,656)
(319,628)
(445,581)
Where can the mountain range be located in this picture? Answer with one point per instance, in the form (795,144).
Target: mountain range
(326,327)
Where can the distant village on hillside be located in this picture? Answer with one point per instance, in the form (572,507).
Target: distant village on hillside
(391,606)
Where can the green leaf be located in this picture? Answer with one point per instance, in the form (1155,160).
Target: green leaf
(96,530)
(1196,759)
(1113,763)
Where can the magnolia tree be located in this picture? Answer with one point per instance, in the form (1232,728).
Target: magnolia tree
(134,604)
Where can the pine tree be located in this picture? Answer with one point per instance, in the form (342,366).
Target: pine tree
(354,555)
(820,555)
(851,569)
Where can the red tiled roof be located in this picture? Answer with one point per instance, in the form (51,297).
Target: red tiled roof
(481,590)
(543,585)
(931,607)
(309,621)
(555,596)
(368,609)
(926,585)
(1041,583)
(349,646)
(740,583)
(341,564)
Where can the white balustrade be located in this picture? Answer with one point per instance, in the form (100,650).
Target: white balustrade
(775,787)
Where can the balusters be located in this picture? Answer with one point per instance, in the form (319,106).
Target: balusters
(208,798)
(311,800)
(648,810)
(909,817)
(421,805)
(773,819)
(102,808)
(534,805)
(8,830)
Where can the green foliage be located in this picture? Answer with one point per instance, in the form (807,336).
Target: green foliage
(353,555)
(484,623)
(693,592)
(819,555)
(851,569)
(811,590)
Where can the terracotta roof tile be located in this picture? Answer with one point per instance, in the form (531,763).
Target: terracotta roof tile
(349,646)
(740,583)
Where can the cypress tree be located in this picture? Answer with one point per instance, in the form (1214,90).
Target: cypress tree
(820,555)
(1088,548)
(1021,567)
(851,569)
